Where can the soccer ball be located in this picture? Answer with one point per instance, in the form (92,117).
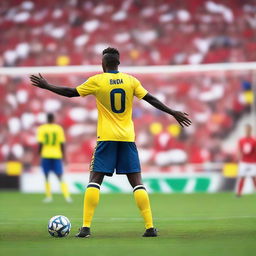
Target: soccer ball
(59,226)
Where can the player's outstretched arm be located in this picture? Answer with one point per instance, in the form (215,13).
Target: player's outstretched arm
(181,117)
(41,82)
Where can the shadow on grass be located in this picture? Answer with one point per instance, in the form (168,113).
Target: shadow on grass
(202,234)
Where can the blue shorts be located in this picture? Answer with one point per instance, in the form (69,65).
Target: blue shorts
(119,156)
(50,164)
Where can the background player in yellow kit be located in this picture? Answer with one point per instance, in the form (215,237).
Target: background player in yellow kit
(51,139)
(115,150)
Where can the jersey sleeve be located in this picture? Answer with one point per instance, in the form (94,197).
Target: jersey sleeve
(139,90)
(61,135)
(39,135)
(88,87)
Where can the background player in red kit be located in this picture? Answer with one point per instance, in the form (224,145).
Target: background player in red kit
(247,159)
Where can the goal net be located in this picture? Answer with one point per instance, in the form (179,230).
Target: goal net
(217,97)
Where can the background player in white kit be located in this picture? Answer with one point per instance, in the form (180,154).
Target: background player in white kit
(247,159)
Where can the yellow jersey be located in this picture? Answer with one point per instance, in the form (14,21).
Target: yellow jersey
(51,136)
(114,94)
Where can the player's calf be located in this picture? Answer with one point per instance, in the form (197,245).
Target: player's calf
(142,200)
(240,185)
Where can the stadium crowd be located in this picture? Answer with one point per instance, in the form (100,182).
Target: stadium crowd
(74,32)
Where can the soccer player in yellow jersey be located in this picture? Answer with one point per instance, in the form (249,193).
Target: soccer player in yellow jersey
(115,150)
(51,139)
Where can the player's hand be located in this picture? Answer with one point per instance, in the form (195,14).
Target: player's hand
(39,81)
(182,118)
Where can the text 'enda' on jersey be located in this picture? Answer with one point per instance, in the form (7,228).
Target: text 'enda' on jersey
(114,92)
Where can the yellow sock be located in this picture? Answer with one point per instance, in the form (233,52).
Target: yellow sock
(142,200)
(64,189)
(91,199)
(48,192)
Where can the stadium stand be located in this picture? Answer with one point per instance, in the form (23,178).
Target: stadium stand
(74,32)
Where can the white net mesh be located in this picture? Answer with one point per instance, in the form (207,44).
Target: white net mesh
(217,97)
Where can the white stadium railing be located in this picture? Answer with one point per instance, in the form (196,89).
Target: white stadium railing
(12,71)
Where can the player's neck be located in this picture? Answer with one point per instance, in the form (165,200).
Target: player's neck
(112,71)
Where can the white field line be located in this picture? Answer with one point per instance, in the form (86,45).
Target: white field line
(133,219)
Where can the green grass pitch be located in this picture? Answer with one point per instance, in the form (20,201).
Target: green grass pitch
(196,224)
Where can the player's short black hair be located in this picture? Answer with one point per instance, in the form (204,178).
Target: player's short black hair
(111,56)
(110,51)
(50,117)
